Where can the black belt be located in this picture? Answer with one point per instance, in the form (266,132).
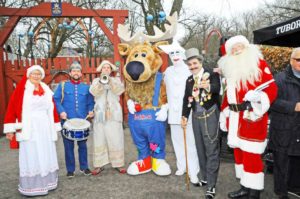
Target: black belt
(240,107)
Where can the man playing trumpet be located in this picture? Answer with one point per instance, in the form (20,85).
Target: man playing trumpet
(108,129)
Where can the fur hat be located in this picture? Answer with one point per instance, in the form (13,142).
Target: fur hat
(75,65)
(113,67)
(193,53)
(234,40)
(35,67)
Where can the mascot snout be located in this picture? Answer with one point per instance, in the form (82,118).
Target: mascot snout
(135,69)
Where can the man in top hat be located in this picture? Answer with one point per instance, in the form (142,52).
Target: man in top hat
(202,96)
(73,100)
(250,91)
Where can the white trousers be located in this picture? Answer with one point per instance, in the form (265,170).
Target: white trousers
(108,144)
(178,144)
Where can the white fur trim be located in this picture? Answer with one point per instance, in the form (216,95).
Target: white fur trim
(223,116)
(9,128)
(35,67)
(26,115)
(18,125)
(239,168)
(251,146)
(26,131)
(233,140)
(253,180)
(58,126)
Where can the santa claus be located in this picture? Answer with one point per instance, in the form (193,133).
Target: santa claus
(250,91)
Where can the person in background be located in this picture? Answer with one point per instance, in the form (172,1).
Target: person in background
(250,92)
(285,129)
(73,100)
(108,133)
(175,78)
(31,117)
(202,96)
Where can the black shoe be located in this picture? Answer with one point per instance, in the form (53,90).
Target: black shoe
(70,174)
(202,183)
(86,172)
(254,194)
(242,192)
(210,193)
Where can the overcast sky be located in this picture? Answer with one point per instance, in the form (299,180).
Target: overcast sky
(221,8)
(225,8)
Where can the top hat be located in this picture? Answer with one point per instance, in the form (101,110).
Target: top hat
(193,53)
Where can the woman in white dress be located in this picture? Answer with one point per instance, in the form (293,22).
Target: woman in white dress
(108,133)
(31,117)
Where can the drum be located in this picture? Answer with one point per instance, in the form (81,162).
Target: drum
(76,129)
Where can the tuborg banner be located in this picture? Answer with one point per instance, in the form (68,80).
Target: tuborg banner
(282,34)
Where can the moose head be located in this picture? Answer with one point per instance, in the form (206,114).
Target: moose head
(143,59)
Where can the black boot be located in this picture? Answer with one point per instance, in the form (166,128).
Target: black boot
(254,194)
(242,192)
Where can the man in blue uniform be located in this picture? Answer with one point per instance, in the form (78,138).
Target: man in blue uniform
(73,100)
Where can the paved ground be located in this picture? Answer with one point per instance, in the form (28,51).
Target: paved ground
(111,184)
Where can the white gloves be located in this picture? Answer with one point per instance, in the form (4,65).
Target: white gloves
(252,96)
(222,120)
(251,116)
(131,106)
(162,115)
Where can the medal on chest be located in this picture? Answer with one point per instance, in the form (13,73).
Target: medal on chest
(205,95)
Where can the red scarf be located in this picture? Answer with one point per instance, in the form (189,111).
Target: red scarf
(39,92)
(75,82)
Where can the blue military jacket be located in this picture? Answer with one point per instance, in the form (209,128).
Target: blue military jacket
(77,100)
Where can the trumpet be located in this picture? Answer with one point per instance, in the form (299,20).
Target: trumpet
(104,79)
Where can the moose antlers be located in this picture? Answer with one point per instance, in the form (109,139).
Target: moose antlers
(125,34)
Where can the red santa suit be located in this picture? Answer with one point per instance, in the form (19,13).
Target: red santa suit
(247,129)
(32,116)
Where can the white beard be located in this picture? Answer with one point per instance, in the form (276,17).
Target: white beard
(243,68)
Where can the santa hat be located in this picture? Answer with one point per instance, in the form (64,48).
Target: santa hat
(35,67)
(113,67)
(234,40)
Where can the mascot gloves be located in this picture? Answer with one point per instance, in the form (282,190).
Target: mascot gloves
(131,106)
(162,115)
(252,96)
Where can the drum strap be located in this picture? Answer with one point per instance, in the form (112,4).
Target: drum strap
(62,92)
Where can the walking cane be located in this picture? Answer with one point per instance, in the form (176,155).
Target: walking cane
(186,160)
